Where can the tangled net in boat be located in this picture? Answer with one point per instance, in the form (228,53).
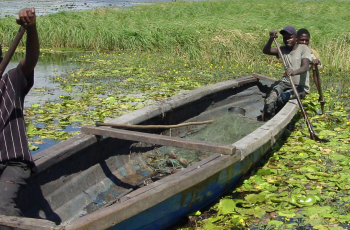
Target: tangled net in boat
(225,129)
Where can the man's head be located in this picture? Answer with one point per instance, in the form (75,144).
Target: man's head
(289,36)
(303,36)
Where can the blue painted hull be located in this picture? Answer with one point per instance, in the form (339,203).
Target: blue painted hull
(171,211)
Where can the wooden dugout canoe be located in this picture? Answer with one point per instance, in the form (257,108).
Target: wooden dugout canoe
(89,170)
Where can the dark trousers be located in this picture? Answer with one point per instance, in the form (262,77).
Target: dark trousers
(283,93)
(13,176)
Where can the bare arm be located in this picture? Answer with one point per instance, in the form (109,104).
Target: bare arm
(304,67)
(27,17)
(267,47)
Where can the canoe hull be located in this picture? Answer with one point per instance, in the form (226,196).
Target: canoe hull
(88,182)
(194,188)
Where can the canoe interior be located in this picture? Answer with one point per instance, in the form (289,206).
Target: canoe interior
(94,173)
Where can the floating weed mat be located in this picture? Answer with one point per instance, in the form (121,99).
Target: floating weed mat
(302,184)
(226,129)
(109,84)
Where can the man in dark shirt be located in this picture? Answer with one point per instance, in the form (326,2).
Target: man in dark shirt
(16,163)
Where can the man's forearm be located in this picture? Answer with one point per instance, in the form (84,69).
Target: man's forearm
(32,47)
(267,47)
(304,67)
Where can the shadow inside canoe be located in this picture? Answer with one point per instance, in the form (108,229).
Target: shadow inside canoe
(66,179)
(43,205)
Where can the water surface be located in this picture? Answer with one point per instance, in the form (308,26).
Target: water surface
(49,65)
(11,7)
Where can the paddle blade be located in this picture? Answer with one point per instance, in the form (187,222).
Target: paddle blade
(322,108)
(316,138)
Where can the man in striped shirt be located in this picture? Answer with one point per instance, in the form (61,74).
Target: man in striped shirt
(16,163)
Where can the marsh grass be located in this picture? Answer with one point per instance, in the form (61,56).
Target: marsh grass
(209,30)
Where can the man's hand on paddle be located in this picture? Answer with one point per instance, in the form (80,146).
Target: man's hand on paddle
(26,17)
(273,34)
(316,62)
(289,72)
(267,47)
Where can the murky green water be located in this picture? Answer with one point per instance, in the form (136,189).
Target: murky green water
(48,65)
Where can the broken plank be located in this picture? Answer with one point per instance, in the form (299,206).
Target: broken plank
(28,223)
(159,139)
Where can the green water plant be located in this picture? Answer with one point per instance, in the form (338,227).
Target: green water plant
(120,82)
(315,195)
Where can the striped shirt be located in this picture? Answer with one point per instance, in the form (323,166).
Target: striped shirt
(14,86)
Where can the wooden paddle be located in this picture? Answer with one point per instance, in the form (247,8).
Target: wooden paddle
(317,81)
(11,50)
(311,131)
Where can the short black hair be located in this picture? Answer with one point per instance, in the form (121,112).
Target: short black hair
(0,51)
(303,31)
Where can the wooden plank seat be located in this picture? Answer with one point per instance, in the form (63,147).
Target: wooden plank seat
(159,139)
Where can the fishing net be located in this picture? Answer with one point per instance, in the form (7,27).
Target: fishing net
(225,129)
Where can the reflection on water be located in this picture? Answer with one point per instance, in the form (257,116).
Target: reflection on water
(47,143)
(49,65)
(11,7)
